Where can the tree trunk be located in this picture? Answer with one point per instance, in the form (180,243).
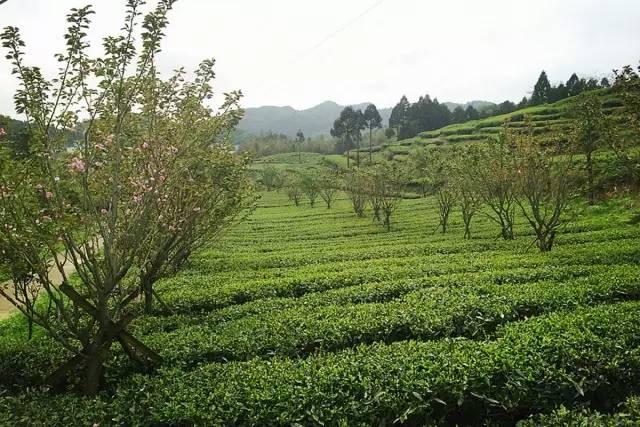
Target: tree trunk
(370,142)
(147,291)
(545,241)
(467,226)
(30,328)
(592,196)
(94,367)
(348,159)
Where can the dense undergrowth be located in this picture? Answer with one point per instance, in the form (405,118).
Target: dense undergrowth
(314,316)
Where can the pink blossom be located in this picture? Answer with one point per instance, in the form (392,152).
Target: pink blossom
(2,132)
(196,209)
(77,165)
(103,211)
(137,198)
(48,195)
(145,145)
(101,147)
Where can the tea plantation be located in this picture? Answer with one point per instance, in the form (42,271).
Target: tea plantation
(309,316)
(547,120)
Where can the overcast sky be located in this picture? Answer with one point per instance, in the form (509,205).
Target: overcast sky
(303,52)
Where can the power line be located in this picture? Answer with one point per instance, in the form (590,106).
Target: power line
(343,28)
(269,85)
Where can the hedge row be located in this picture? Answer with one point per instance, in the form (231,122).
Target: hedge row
(432,313)
(203,293)
(627,416)
(590,355)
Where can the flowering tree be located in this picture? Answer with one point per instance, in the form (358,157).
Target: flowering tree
(152,179)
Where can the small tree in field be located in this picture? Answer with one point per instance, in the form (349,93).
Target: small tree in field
(328,184)
(271,178)
(386,185)
(625,142)
(497,183)
(356,186)
(310,187)
(152,179)
(293,188)
(439,173)
(545,185)
(589,133)
(466,162)
(419,163)
(446,197)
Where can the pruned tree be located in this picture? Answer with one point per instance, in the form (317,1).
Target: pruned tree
(356,186)
(101,206)
(545,186)
(589,134)
(293,188)
(271,178)
(624,142)
(439,174)
(310,187)
(466,162)
(387,182)
(419,163)
(329,184)
(497,183)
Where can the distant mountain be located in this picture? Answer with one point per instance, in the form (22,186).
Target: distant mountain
(286,120)
(314,121)
(478,105)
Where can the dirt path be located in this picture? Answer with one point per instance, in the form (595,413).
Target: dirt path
(7,309)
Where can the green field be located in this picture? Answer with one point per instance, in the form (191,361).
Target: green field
(316,317)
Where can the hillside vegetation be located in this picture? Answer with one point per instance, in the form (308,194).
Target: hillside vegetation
(547,119)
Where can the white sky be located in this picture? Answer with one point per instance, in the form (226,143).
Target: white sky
(303,52)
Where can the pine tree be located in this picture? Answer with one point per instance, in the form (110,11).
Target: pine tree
(373,121)
(459,115)
(575,85)
(542,90)
(472,113)
(347,129)
(400,116)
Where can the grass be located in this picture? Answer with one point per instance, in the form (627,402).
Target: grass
(305,316)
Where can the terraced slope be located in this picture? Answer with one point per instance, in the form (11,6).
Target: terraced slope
(308,316)
(546,119)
